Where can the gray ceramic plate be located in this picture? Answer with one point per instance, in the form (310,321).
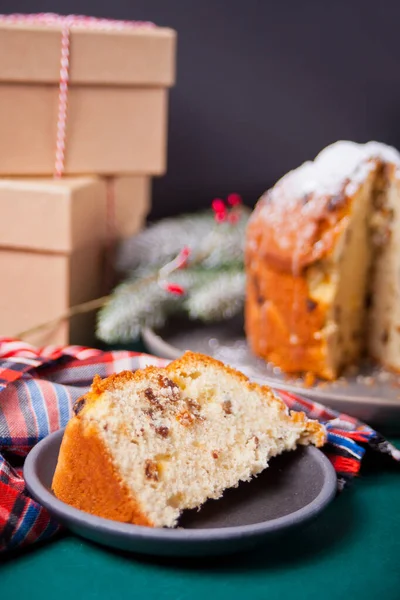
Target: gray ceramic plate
(295,488)
(370,394)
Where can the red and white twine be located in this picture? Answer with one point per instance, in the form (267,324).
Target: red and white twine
(66,23)
(62,103)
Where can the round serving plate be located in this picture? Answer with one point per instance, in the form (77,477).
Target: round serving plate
(370,394)
(295,488)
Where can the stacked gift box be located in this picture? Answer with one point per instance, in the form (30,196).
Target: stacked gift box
(84,100)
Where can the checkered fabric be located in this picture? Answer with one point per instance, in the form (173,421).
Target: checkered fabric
(38,387)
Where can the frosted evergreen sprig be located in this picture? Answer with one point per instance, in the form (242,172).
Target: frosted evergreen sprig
(220,297)
(121,319)
(206,283)
(135,305)
(219,242)
(209,296)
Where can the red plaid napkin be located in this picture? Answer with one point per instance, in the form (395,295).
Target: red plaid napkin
(38,387)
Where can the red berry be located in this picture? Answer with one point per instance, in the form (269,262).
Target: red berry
(220,217)
(234,199)
(218,205)
(174,288)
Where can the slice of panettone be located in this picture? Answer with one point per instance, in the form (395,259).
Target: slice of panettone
(144,446)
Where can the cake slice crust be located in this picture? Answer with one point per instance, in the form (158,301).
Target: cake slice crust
(169,439)
(86,477)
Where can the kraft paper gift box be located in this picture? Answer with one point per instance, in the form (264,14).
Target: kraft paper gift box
(117,93)
(54,235)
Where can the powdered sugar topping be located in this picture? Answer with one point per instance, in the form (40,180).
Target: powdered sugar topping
(334,165)
(342,166)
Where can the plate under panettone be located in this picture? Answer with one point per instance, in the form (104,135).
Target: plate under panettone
(370,394)
(295,488)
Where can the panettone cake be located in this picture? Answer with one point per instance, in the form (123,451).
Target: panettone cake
(323,263)
(144,446)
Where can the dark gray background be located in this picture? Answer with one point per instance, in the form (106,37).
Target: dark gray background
(263,85)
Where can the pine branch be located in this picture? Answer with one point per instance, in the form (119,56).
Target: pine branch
(213,279)
(220,297)
(161,241)
(133,306)
(219,243)
(224,247)
(122,318)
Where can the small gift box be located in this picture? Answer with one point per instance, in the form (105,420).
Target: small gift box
(81,95)
(55,238)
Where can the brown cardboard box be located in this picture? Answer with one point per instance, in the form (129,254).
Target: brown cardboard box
(117,99)
(53,236)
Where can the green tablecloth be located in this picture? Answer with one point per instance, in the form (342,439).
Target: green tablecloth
(352,549)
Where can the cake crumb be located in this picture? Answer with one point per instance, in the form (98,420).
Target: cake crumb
(193,406)
(322,384)
(185,418)
(151,470)
(309,379)
(227,407)
(163,431)
(151,397)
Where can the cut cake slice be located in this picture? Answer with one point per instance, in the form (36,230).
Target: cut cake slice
(144,446)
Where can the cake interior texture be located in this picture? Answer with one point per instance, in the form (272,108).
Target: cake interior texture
(169,439)
(344,295)
(383,298)
(363,279)
(340,280)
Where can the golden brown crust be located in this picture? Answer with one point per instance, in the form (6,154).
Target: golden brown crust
(314,432)
(86,478)
(278,310)
(188,360)
(191,360)
(112,382)
(274,217)
(283,325)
